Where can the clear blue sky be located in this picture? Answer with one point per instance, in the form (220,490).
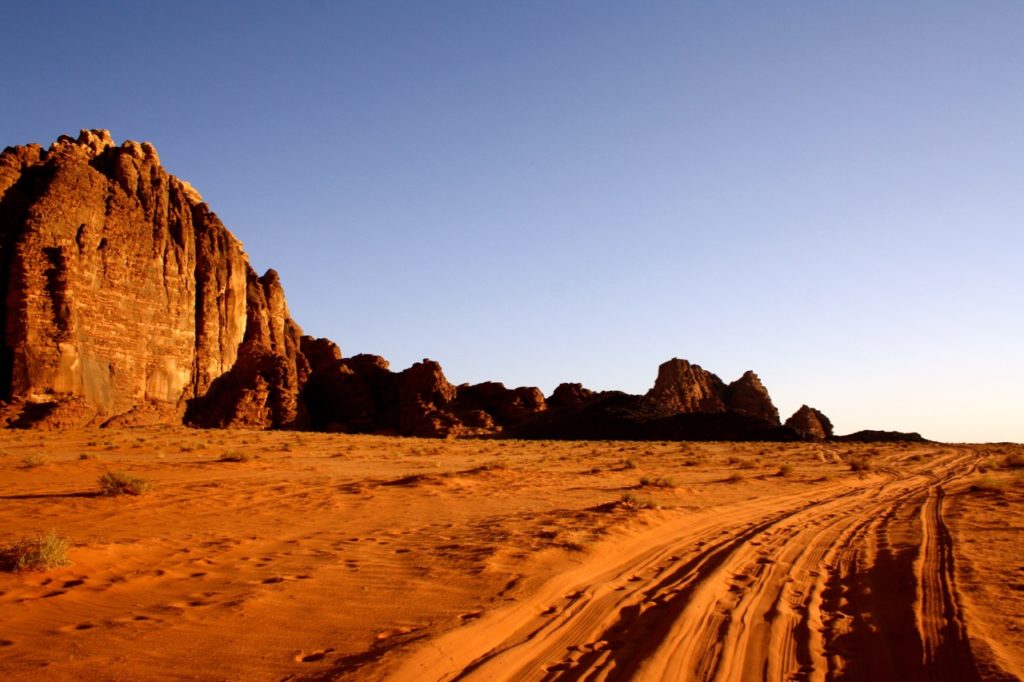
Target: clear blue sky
(831,194)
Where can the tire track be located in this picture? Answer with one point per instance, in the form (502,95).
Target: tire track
(803,592)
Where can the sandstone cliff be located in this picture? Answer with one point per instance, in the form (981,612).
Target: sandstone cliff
(125,298)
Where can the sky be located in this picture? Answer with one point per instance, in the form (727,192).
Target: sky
(532,192)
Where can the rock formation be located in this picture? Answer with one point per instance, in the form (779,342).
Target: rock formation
(682,387)
(810,423)
(123,294)
(749,396)
(124,300)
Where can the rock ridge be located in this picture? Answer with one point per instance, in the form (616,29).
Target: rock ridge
(125,301)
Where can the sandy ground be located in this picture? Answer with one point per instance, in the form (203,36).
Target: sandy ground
(348,557)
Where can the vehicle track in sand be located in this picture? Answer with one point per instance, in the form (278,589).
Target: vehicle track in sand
(849,580)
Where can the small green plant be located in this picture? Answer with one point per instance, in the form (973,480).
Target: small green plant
(32,461)
(40,553)
(236,456)
(115,483)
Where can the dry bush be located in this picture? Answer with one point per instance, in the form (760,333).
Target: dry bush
(631,501)
(236,456)
(115,483)
(659,482)
(40,553)
(32,461)
(860,463)
(785,470)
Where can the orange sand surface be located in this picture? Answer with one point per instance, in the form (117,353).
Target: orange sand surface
(361,557)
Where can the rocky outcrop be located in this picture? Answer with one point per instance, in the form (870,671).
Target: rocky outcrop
(875,436)
(749,396)
(570,396)
(126,299)
(682,387)
(810,423)
(506,406)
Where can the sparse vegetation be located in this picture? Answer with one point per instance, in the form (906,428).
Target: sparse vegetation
(236,456)
(659,482)
(113,483)
(631,501)
(860,463)
(32,461)
(43,552)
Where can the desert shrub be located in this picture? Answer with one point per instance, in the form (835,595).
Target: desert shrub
(40,553)
(631,501)
(32,461)
(659,482)
(785,470)
(860,463)
(493,465)
(236,456)
(629,464)
(122,483)
(88,455)
(732,461)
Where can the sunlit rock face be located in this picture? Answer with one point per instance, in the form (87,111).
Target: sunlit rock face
(749,396)
(682,387)
(810,423)
(123,296)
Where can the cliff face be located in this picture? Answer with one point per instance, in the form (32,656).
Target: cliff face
(124,300)
(124,297)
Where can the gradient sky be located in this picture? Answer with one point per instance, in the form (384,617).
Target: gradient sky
(831,194)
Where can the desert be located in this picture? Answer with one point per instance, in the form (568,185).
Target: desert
(529,341)
(277,555)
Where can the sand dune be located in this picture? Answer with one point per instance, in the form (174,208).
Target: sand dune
(340,557)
